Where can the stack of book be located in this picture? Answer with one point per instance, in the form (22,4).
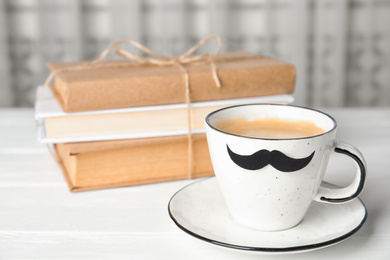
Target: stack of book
(110,130)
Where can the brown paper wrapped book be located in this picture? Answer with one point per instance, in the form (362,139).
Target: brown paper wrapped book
(118,84)
(108,164)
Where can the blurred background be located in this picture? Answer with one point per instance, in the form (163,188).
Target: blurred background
(341,48)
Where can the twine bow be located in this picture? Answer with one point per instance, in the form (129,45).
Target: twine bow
(157,60)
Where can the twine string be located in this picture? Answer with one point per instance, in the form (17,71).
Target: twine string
(157,60)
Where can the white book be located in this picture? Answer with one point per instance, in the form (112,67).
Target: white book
(56,126)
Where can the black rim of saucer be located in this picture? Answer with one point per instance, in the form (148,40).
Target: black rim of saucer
(266,249)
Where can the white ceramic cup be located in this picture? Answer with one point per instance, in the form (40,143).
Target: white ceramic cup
(275,195)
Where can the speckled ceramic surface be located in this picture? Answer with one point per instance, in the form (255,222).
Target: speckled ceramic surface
(199,210)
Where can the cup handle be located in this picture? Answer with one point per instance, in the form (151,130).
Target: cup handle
(353,190)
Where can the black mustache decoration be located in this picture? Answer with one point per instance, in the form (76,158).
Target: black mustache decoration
(262,158)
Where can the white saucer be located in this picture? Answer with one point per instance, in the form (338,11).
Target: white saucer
(199,210)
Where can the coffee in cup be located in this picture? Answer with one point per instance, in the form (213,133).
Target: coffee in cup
(270,160)
(269,128)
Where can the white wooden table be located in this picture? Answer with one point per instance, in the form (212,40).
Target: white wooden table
(41,219)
